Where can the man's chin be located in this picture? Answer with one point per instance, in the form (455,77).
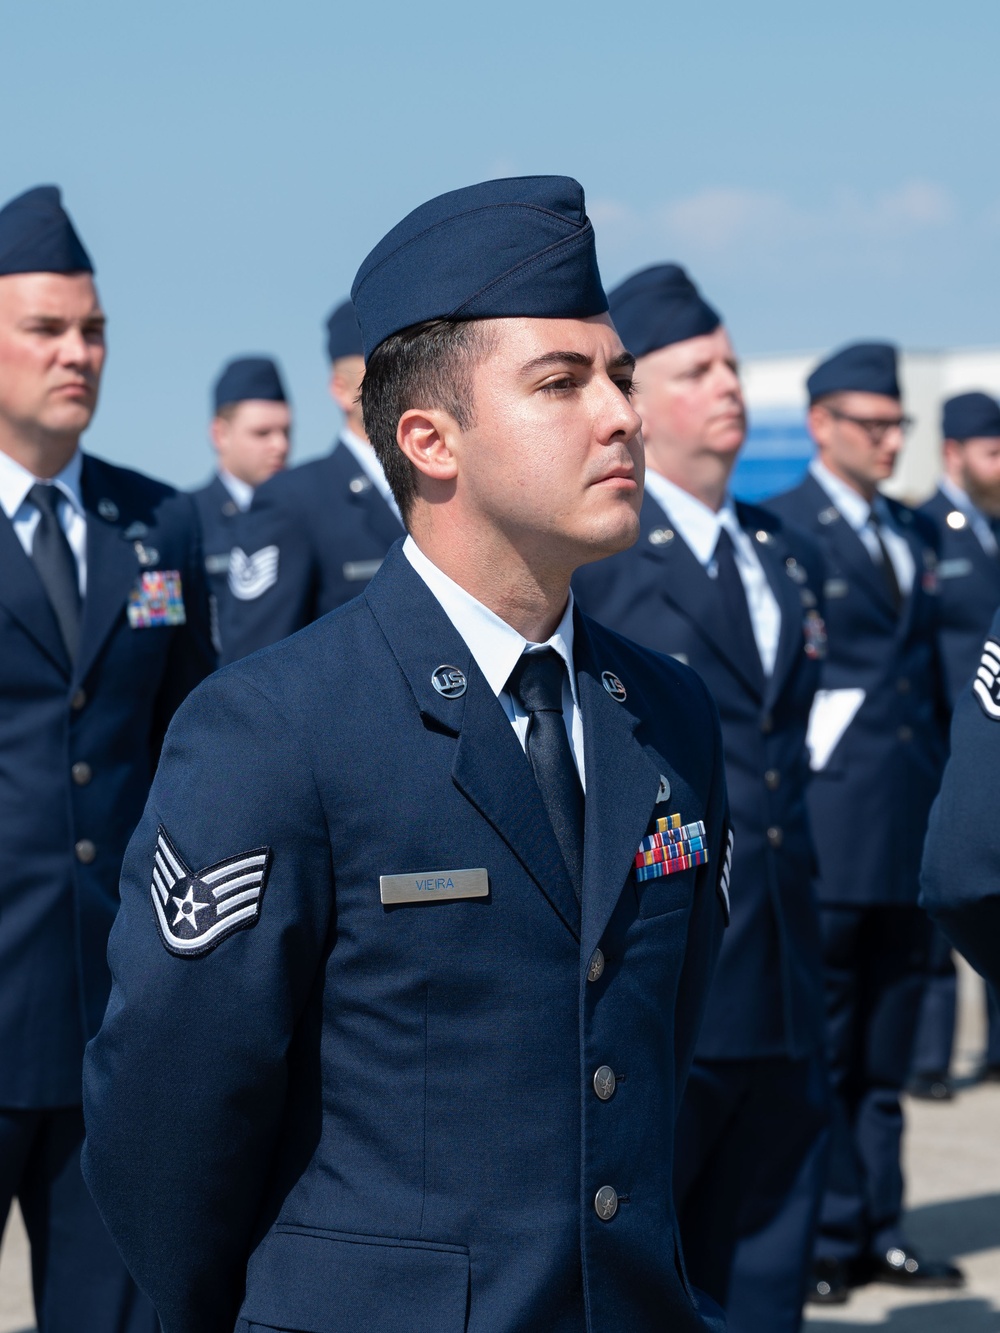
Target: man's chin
(613,540)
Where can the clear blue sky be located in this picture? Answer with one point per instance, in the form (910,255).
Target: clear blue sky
(825,171)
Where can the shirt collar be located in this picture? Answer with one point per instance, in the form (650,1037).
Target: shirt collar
(494,644)
(699,526)
(241,491)
(854,507)
(16,481)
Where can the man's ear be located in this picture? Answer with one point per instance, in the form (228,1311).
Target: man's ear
(426,437)
(219,430)
(820,421)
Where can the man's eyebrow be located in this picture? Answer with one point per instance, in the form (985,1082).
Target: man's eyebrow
(624,361)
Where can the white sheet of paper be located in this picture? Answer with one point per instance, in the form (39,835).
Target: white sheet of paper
(832,713)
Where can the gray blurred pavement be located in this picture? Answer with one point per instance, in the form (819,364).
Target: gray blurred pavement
(953,1173)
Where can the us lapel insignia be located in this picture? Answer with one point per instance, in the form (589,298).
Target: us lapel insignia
(156,599)
(673,847)
(252,575)
(614,686)
(195,912)
(814,632)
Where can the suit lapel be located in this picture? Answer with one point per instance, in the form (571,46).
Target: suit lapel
(489,766)
(22,593)
(685,584)
(112,565)
(622,785)
(773,556)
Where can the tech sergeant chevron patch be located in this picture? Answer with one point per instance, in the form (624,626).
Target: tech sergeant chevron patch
(195,912)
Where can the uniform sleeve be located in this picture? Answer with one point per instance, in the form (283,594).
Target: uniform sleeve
(960,875)
(272,574)
(226,902)
(191,655)
(710,911)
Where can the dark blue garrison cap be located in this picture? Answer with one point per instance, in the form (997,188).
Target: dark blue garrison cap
(857,368)
(971,416)
(521,246)
(343,336)
(249,377)
(659,306)
(36,235)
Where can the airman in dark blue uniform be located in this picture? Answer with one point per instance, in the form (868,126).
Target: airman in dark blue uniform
(966,512)
(960,876)
(734,592)
(877,739)
(402,1017)
(316,534)
(251,432)
(103,631)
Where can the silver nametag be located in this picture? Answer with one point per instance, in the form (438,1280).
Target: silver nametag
(356,571)
(431,886)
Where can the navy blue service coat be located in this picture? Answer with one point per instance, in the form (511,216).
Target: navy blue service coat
(969,593)
(217,515)
(869,804)
(329,529)
(960,877)
(358,1118)
(78,746)
(766,998)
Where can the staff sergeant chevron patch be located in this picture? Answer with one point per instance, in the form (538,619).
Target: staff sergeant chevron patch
(195,912)
(251,575)
(986,686)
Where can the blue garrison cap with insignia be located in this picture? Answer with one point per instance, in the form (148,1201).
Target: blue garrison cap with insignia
(659,306)
(971,416)
(343,336)
(36,235)
(519,246)
(249,377)
(857,368)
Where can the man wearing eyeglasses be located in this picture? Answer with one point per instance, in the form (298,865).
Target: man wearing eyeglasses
(877,744)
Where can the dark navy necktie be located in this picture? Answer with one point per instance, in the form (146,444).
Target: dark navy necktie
(56,565)
(537,683)
(739,626)
(888,568)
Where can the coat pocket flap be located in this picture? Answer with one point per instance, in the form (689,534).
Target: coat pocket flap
(314,1281)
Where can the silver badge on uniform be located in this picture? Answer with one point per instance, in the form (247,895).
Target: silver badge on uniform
(449,681)
(663,792)
(252,575)
(108,509)
(614,686)
(986,686)
(195,912)
(433,886)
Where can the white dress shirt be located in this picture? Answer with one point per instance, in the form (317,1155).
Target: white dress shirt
(16,482)
(368,461)
(497,646)
(976,519)
(858,512)
(241,492)
(699,526)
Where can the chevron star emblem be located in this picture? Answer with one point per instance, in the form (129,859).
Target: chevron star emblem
(986,685)
(252,575)
(195,912)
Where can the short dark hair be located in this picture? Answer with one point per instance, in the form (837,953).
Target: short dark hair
(426,365)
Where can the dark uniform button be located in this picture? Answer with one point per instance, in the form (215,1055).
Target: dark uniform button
(605,1083)
(905,733)
(772,779)
(774,836)
(767,724)
(596,969)
(81,773)
(903,685)
(85,851)
(606,1203)
(78,700)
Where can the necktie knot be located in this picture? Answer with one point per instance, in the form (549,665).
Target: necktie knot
(537,681)
(44,498)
